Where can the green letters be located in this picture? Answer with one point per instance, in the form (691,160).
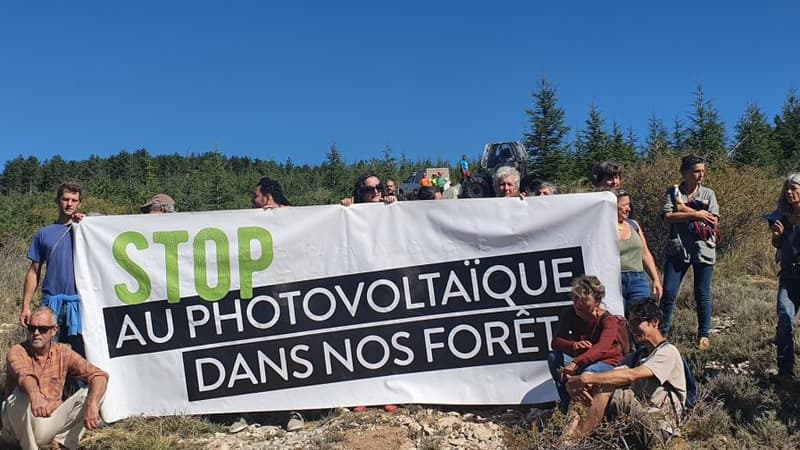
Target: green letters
(119,250)
(248,265)
(170,240)
(220,240)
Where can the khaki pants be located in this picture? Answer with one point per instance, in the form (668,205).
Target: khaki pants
(65,424)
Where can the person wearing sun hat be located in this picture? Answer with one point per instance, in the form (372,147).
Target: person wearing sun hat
(159,204)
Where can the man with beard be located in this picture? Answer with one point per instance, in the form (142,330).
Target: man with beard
(36,370)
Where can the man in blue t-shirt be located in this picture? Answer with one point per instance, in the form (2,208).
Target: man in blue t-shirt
(52,246)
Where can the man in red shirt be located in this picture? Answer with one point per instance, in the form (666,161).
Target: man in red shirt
(36,369)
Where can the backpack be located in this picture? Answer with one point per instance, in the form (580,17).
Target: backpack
(623,339)
(688,373)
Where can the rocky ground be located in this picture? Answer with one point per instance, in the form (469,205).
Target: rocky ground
(409,428)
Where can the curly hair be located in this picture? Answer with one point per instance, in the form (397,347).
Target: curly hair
(505,172)
(588,286)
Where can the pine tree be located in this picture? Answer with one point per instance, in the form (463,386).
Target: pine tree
(657,141)
(335,171)
(677,140)
(787,132)
(622,149)
(593,144)
(755,140)
(706,136)
(545,141)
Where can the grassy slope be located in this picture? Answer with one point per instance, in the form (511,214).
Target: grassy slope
(739,407)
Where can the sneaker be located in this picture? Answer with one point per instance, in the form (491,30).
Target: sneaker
(237,426)
(390,408)
(296,422)
(704,343)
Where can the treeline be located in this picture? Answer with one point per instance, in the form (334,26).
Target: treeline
(121,183)
(771,145)
(212,181)
(198,181)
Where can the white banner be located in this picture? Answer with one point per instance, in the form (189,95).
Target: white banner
(444,302)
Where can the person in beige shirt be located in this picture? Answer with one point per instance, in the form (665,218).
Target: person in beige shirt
(32,412)
(654,389)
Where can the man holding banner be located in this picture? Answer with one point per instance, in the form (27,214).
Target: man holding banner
(52,246)
(322,306)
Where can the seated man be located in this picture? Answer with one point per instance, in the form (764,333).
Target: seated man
(652,389)
(33,412)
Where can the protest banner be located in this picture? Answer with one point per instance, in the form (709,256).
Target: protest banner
(448,302)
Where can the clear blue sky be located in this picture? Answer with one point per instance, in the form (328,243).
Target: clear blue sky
(436,78)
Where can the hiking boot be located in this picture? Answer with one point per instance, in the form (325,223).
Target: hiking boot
(296,422)
(703,344)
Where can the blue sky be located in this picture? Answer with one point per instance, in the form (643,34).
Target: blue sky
(429,79)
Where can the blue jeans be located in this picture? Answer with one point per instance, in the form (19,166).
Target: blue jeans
(557,360)
(788,303)
(635,289)
(674,271)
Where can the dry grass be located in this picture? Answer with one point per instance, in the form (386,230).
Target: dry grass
(736,410)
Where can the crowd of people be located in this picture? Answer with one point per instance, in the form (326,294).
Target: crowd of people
(592,363)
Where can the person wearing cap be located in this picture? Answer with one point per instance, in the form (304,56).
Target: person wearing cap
(686,248)
(159,204)
(52,248)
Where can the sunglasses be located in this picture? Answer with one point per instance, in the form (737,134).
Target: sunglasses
(42,329)
(370,189)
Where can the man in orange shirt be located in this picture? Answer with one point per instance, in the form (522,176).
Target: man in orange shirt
(425,181)
(36,369)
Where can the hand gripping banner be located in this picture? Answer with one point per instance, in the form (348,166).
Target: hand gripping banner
(444,302)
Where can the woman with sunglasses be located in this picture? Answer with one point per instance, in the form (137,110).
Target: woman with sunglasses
(634,257)
(368,189)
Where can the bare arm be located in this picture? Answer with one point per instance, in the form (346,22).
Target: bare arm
(649,264)
(614,378)
(29,288)
(97,389)
(685,214)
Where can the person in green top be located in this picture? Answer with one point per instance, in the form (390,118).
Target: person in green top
(636,261)
(441,181)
